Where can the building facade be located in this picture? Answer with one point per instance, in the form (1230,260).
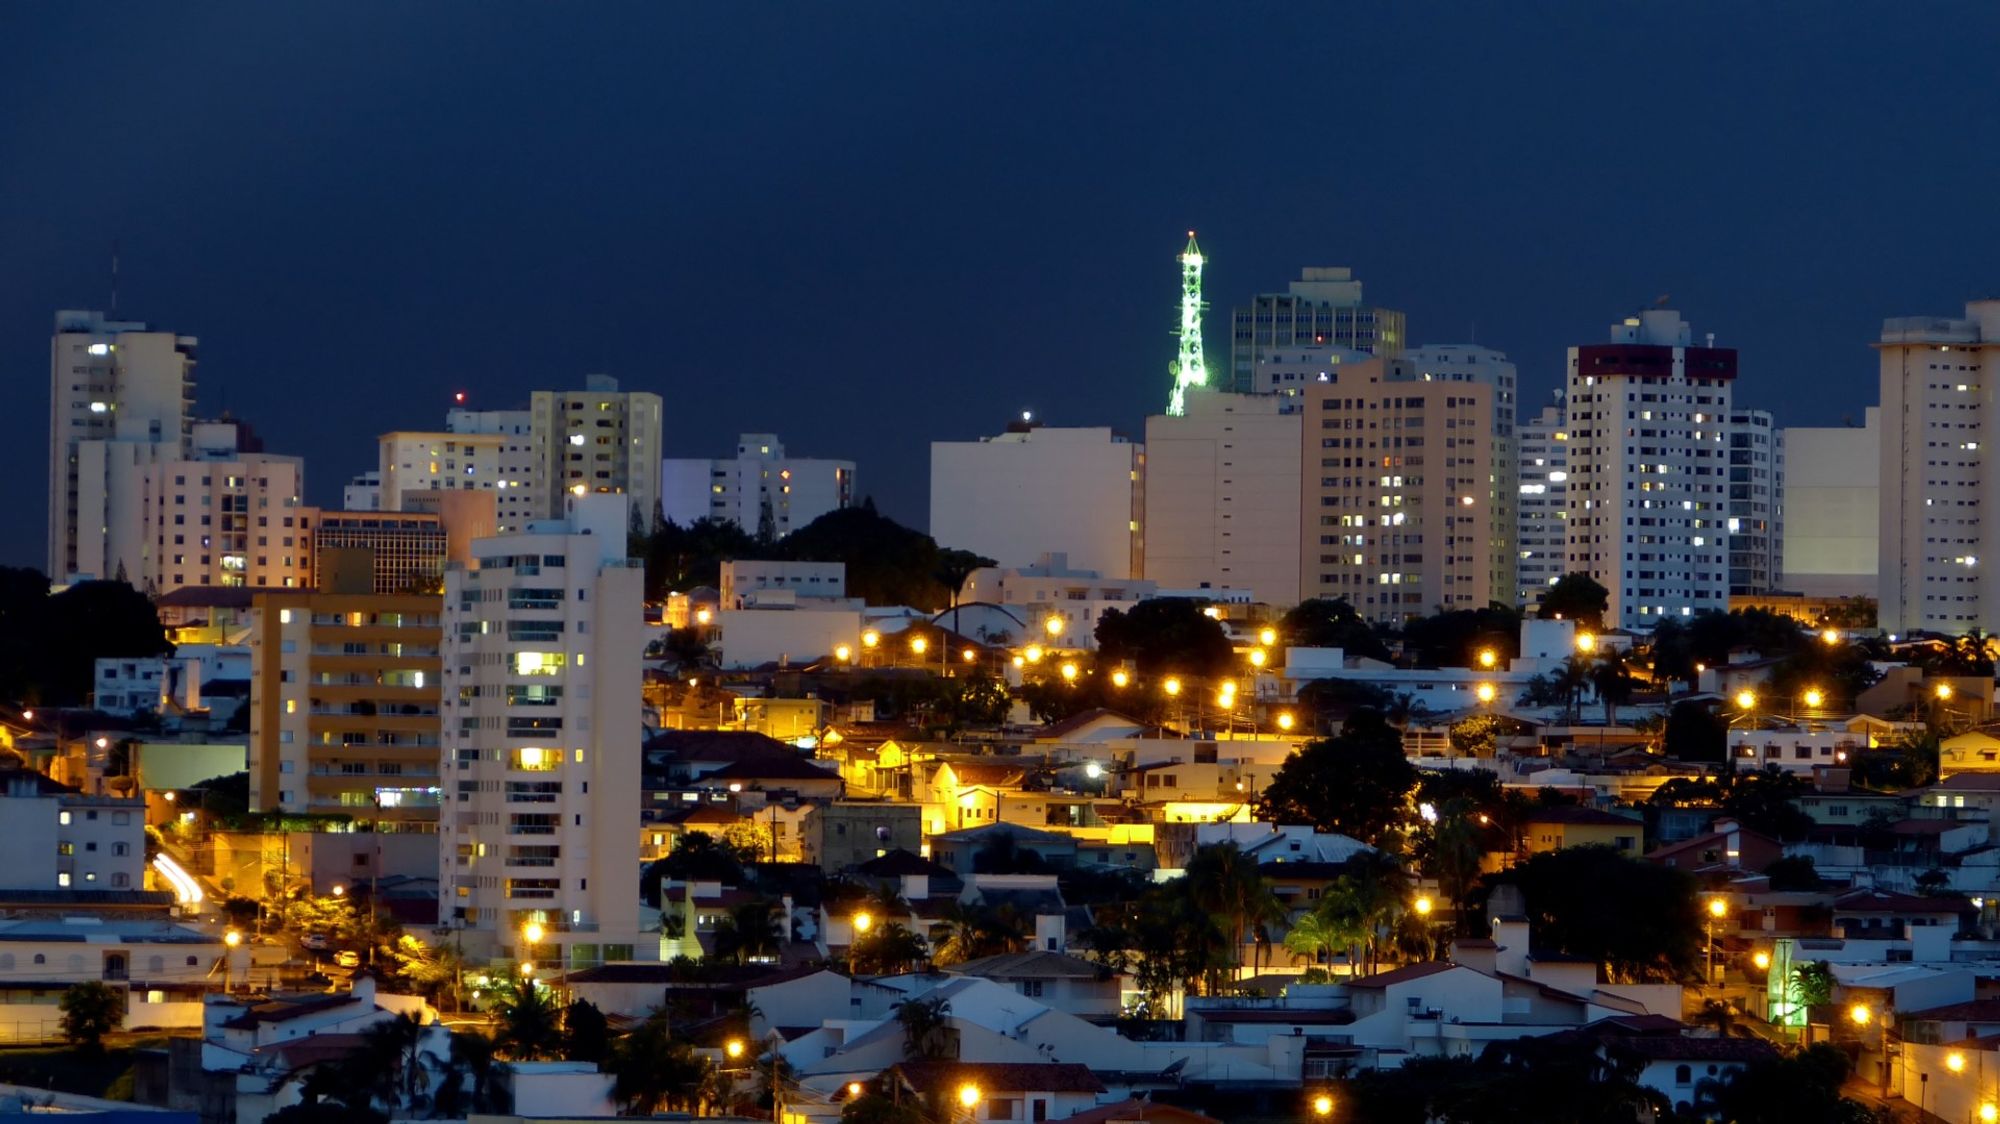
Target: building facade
(1035,490)
(1397,493)
(427,462)
(597,441)
(1935,571)
(1648,461)
(1222,495)
(58,838)
(543,633)
(345,698)
(1323,308)
(760,489)
(1832,503)
(119,401)
(513,491)
(1463,363)
(1541,520)
(225,515)
(1756,502)
(406,549)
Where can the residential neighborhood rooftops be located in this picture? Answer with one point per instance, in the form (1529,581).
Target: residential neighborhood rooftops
(1404,974)
(999,1077)
(1030,965)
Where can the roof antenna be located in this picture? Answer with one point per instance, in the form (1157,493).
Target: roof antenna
(114,278)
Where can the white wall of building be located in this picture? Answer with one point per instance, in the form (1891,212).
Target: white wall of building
(1542,518)
(751,637)
(760,478)
(1030,491)
(1222,496)
(1833,507)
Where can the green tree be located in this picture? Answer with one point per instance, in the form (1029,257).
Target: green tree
(1455,638)
(1576,597)
(586,1032)
(927,1031)
(1696,733)
(1356,783)
(680,558)
(1793,873)
(1330,622)
(952,568)
(887,563)
(90,1010)
(874,1108)
(1781,1090)
(1639,921)
(1478,735)
(530,1021)
(1226,884)
(752,930)
(1165,635)
(887,949)
(652,1071)
(696,856)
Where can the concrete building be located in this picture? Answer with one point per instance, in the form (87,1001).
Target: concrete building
(1039,489)
(743,580)
(1397,499)
(413,462)
(405,551)
(847,833)
(119,401)
(129,687)
(1541,538)
(1222,495)
(1323,308)
(344,696)
(597,441)
(58,838)
(1463,363)
(1832,500)
(1284,372)
(760,489)
(513,491)
(542,637)
(227,514)
(364,492)
(1935,569)
(1052,590)
(1648,458)
(1756,502)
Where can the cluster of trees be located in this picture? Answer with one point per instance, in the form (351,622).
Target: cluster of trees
(887,563)
(1766,800)
(49,646)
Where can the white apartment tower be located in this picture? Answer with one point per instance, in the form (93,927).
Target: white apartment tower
(1648,456)
(760,489)
(1222,495)
(1466,362)
(542,638)
(1543,514)
(1935,569)
(119,397)
(597,441)
(228,514)
(1037,490)
(514,495)
(1756,502)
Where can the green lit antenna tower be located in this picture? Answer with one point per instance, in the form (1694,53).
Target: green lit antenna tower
(1189,368)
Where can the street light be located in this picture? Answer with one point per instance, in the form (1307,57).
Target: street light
(1761,959)
(1054,627)
(1119,678)
(1172,686)
(1034,653)
(844,654)
(918,644)
(1069,672)
(870,638)
(1746,699)
(339,891)
(1585,642)
(1831,636)
(1717,910)
(968,655)
(734,1048)
(1285,720)
(1944,693)
(1860,1015)
(1485,692)
(1424,905)
(1257,657)
(1955,1062)
(1267,637)
(853,1090)
(1989,1112)
(968,1096)
(863,922)
(1323,1106)
(1814,696)
(1488,658)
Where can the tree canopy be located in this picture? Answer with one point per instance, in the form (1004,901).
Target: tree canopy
(1165,635)
(1356,782)
(50,645)
(1639,920)
(1330,622)
(1575,597)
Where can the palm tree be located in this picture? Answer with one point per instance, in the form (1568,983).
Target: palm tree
(530,1025)
(750,931)
(1722,1016)
(652,1070)
(1612,681)
(472,1063)
(953,567)
(926,1028)
(389,1064)
(1404,709)
(1571,678)
(1457,845)
(1312,936)
(1225,882)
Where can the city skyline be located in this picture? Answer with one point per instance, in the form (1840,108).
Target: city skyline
(493,215)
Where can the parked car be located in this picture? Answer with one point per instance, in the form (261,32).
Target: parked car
(347,958)
(318,942)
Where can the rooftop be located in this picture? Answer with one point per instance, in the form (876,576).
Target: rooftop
(999,1077)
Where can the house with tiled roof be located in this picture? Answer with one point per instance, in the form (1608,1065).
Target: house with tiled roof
(1066,983)
(1565,826)
(1002,1090)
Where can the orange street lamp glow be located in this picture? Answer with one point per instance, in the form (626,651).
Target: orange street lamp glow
(1831,636)
(968,1094)
(1944,693)
(968,655)
(1069,672)
(1285,720)
(1762,959)
(1718,908)
(1485,692)
(1745,699)
(1860,1014)
(862,922)
(1267,637)
(1054,626)
(843,653)
(918,644)
(1814,697)
(734,1048)
(1034,653)
(1585,642)
(1257,657)
(1955,1062)
(1322,1105)
(1119,678)
(1424,906)
(1172,686)
(1488,657)
(853,1090)
(870,638)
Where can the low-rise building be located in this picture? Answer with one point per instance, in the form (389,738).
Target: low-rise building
(1560,828)
(57,837)
(846,833)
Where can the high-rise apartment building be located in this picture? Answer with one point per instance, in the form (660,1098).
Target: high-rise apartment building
(119,398)
(759,489)
(513,490)
(597,441)
(1323,308)
(1037,490)
(543,633)
(1756,502)
(1648,462)
(1399,492)
(1466,362)
(1222,495)
(1936,480)
(430,462)
(406,549)
(344,703)
(1832,506)
(228,514)
(1543,515)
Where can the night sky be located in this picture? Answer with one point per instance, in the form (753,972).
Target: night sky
(864,227)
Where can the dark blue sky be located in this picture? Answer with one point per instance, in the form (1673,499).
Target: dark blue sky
(866,226)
